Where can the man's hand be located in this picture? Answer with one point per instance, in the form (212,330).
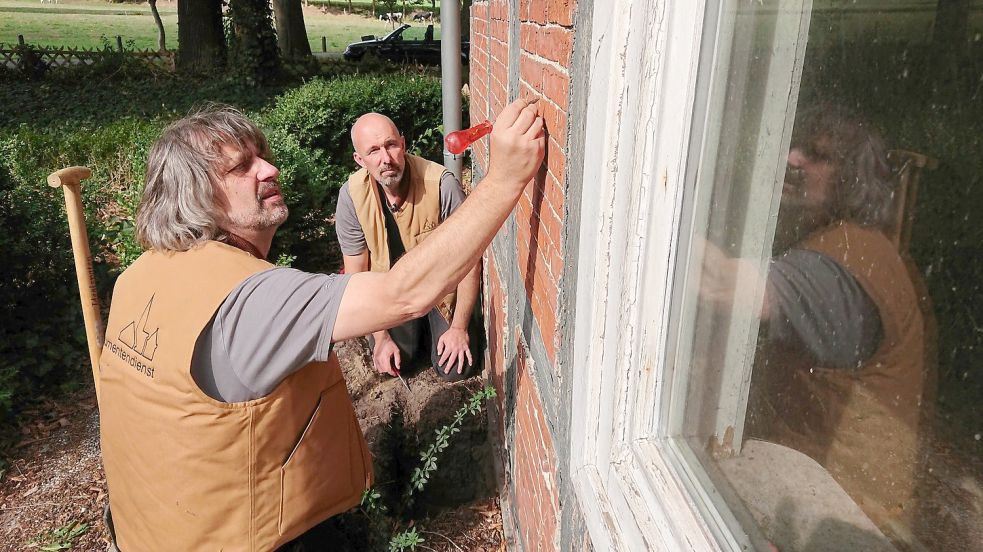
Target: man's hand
(453,350)
(385,354)
(517,144)
(722,275)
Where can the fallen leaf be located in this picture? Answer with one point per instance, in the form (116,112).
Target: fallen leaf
(31,491)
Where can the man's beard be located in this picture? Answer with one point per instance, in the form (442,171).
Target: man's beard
(264,216)
(391,182)
(795,223)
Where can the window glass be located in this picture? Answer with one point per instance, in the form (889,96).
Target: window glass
(832,304)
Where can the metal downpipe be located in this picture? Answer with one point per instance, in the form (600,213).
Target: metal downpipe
(450,77)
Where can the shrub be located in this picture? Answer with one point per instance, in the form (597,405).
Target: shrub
(42,340)
(320,113)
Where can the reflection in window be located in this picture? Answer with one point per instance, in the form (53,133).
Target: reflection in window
(834,395)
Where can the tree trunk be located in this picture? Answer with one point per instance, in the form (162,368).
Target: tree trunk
(373,8)
(161,43)
(201,42)
(949,38)
(951,26)
(466,18)
(350,7)
(254,48)
(291,33)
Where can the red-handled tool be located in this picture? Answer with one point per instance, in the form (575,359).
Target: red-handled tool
(459,140)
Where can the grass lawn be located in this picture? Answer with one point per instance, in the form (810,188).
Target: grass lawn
(83,23)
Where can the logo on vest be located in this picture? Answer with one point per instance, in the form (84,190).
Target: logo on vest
(139,338)
(429,225)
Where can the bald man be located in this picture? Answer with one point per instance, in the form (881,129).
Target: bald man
(387,208)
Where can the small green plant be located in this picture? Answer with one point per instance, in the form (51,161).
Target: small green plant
(61,538)
(422,474)
(370,501)
(408,538)
(285,259)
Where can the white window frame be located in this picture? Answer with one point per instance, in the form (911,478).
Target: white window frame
(639,489)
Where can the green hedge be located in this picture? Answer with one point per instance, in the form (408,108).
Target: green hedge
(42,342)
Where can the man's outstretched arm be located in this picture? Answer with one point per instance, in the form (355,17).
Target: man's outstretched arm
(375,301)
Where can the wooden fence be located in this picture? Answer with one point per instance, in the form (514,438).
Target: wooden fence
(28,56)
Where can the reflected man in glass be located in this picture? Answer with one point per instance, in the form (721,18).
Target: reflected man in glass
(841,373)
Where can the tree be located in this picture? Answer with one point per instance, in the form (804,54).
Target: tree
(950,37)
(951,26)
(201,42)
(465,18)
(253,40)
(291,33)
(161,44)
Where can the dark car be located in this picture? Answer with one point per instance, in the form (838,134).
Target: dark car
(394,48)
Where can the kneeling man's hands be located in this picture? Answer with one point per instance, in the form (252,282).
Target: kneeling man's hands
(453,350)
(386,355)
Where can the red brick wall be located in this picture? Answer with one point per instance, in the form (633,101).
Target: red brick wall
(546,37)
(497,321)
(535,480)
(546,44)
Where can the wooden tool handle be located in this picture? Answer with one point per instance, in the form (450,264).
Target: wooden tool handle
(69,176)
(70,180)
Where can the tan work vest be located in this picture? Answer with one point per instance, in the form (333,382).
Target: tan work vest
(860,424)
(187,472)
(416,219)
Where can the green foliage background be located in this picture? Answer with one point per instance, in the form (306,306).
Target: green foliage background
(106,118)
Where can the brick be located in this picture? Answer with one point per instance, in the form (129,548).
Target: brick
(551,226)
(556,86)
(500,52)
(499,9)
(556,122)
(537,10)
(499,29)
(560,12)
(557,263)
(553,192)
(556,159)
(529,37)
(532,72)
(557,45)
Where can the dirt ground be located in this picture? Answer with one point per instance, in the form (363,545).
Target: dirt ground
(54,478)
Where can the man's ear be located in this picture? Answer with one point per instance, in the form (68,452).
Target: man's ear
(358,159)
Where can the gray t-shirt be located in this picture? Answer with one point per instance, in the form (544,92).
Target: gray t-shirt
(272,324)
(822,305)
(350,234)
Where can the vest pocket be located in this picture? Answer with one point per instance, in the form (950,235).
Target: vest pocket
(423,235)
(319,479)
